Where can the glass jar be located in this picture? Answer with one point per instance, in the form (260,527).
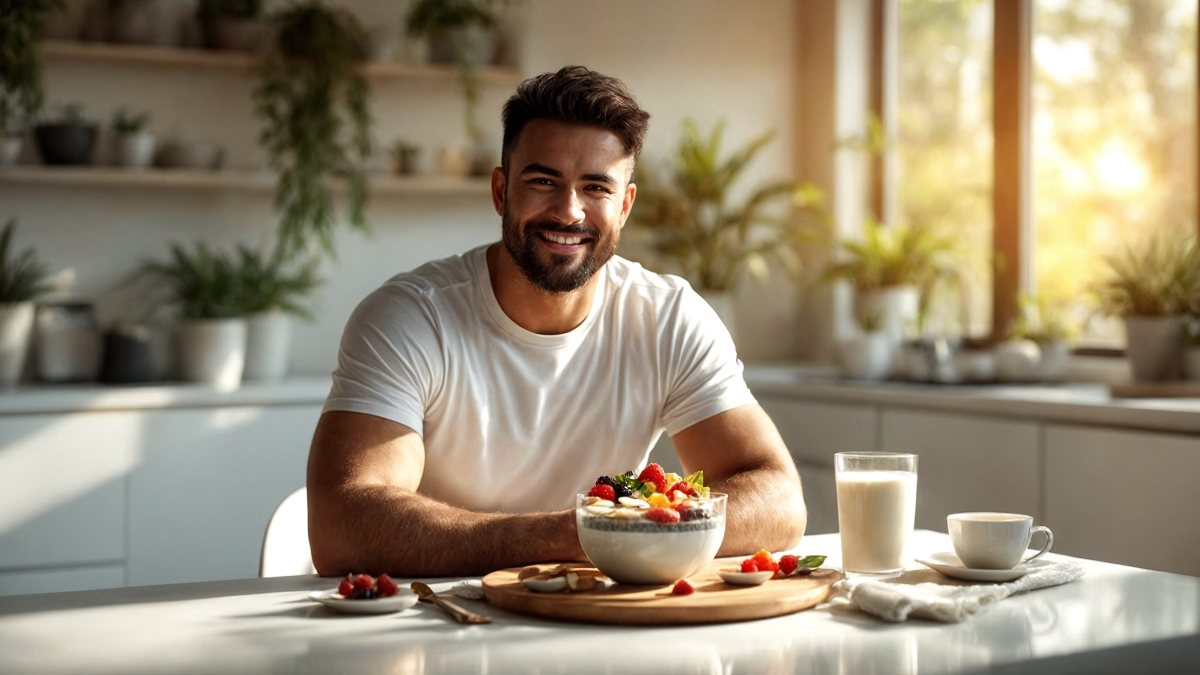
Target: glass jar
(67,342)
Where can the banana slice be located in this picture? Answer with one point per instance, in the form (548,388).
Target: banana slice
(634,502)
(542,583)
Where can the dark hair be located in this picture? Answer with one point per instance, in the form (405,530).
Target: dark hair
(580,96)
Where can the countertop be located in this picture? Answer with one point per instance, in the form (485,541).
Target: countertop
(1116,619)
(1082,403)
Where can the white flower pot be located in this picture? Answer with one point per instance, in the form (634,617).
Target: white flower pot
(866,357)
(10,149)
(268,342)
(725,306)
(212,351)
(1155,346)
(135,151)
(896,308)
(16,325)
(1055,357)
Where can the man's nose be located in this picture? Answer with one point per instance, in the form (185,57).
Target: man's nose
(567,208)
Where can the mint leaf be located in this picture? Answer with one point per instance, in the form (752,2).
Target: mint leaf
(812,561)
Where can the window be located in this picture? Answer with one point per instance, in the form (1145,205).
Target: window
(1090,147)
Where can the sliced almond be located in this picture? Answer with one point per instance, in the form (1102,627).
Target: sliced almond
(589,500)
(582,583)
(634,502)
(528,572)
(572,580)
(627,514)
(599,510)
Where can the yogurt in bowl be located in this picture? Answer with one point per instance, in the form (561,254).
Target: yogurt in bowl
(635,543)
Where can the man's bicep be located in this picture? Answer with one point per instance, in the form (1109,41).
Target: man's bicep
(740,439)
(356,449)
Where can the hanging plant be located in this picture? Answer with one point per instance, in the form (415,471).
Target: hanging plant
(21,32)
(316,127)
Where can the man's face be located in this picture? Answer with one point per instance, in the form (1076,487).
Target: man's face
(563,201)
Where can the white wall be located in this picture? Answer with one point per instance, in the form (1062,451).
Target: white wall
(708,59)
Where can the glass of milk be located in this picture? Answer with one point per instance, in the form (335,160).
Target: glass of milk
(877,502)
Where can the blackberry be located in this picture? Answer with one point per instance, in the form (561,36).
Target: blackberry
(607,480)
(694,514)
(622,491)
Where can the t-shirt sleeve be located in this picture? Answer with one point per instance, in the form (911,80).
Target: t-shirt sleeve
(704,373)
(389,362)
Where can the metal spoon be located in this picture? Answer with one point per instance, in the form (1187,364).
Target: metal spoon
(426,594)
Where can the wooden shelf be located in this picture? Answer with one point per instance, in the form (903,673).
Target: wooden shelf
(177,57)
(228,179)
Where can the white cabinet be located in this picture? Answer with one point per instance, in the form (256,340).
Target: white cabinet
(967,463)
(96,499)
(814,432)
(1127,497)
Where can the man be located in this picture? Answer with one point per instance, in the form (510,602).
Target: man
(476,395)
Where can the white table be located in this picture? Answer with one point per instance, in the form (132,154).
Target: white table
(1117,619)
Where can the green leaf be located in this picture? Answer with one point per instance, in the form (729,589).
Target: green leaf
(812,561)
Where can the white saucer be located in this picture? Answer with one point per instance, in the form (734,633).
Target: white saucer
(333,600)
(947,563)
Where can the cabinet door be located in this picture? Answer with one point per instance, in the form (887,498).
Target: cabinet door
(62,488)
(209,482)
(1125,497)
(813,433)
(967,463)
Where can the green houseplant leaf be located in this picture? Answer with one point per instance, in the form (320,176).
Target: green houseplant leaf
(22,24)
(688,214)
(22,276)
(201,282)
(312,99)
(1158,278)
(271,282)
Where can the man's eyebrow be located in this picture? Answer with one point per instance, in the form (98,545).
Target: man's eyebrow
(541,168)
(600,178)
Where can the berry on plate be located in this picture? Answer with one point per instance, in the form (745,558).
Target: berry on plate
(748,565)
(683,587)
(385,587)
(788,563)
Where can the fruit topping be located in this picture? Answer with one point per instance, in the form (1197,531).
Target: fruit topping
(788,563)
(653,473)
(749,565)
(603,492)
(664,516)
(683,587)
(366,587)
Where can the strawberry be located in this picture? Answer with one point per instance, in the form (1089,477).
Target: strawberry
(386,587)
(663,516)
(765,561)
(653,473)
(346,587)
(683,587)
(748,565)
(603,492)
(788,564)
(683,487)
(364,581)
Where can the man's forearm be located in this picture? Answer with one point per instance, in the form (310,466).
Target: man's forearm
(765,510)
(378,528)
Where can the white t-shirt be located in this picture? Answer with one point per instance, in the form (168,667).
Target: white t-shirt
(514,421)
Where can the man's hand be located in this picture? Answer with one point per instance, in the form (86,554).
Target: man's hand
(364,513)
(743,455)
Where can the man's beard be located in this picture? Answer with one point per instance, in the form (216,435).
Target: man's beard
(559,274)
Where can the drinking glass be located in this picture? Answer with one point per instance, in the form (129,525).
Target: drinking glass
(877,503)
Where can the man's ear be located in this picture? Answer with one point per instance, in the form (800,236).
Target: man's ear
(627,202)
(499,185)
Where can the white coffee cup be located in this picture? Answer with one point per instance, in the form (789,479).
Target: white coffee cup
(994,541)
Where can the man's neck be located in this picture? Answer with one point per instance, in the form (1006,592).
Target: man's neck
(536,310)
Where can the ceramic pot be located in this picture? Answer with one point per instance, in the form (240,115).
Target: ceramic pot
(16,326)
(896,308)
(134,151)
(68,342)
(1018,361)
(1155,346)
(865,357)
(211,351)
(10,149)
(129,355)
(268,343)
(1055,357)
(66,144)
(190,155)
(474,45)
(406,163)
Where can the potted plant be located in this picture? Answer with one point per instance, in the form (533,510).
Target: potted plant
(867,355)
(1044,324)
(692,221)
(311,90)
(21,33)
(893,270)
(206,288)
(1151,288)
(133,146)
(460,33)
(22,279)
(404,157)
(232,24)
(273,287)
(67,140)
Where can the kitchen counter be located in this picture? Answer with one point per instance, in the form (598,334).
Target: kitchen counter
(92,397)
(1116,619)
(1082,403)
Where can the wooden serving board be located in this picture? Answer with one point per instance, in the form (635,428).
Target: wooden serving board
(713,602)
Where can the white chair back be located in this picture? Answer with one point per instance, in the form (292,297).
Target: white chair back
(285,550)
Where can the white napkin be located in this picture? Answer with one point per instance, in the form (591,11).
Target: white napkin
(471,589)
(892,601)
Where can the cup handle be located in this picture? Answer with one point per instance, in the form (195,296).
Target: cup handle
(1046,548)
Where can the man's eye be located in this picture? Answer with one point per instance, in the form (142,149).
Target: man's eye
(599,188)
(541,181)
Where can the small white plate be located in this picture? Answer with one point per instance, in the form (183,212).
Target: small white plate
(745,578)
(947,563)
(333,600)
